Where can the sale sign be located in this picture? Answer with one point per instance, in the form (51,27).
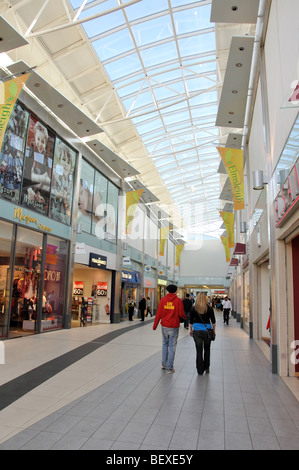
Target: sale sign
(78,288)
(102,288)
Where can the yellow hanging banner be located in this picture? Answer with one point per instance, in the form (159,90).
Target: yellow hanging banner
(229,221)
(178,252)
(9,92)
(132,199)
(164,231)
(233,161)
(226,247)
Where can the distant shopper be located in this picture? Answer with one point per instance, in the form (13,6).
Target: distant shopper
(187,302)
(227,307)
(142,307)
(202,318)
(148,307)
(170,310)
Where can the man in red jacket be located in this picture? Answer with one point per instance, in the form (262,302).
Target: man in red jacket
(170,311)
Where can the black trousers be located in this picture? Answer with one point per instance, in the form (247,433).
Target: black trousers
(226,315)
(203,347)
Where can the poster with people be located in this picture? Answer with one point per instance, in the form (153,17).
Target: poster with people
(62,182)
(12,154)
(86,189)
(38,165)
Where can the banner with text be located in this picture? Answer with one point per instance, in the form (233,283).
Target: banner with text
(226,247)
(229,221)
(233,161)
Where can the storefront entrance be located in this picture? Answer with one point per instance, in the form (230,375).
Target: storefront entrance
(94,286)
(32,281)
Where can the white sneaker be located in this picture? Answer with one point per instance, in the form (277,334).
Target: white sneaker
(170,371)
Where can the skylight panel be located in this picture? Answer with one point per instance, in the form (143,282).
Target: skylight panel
(122,67)
(197,44)
(146,8)
(154,30)
(113,45)
(159,54)
(193,19)
(104,23)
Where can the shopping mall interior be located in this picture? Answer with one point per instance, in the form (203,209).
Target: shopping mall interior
(144,144)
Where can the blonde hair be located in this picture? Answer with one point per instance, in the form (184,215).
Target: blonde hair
(201,304)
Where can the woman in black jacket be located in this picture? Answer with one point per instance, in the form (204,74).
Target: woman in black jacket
(202,318)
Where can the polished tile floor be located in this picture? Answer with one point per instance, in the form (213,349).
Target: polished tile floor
(102,387)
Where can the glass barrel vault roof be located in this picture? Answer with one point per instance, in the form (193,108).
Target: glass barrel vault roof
(160,56)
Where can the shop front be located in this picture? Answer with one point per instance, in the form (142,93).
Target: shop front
(93,285)
(33,275)
(161,289)
(130,287)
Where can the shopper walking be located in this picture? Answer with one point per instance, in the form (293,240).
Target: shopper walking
(187,302)
(83,311)
(149,307)
(227,307)
(202,319)
(170,311)
(142,307)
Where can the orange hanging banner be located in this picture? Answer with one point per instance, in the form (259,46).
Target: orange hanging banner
(132,199)
(233,161)
(226,247)
(164,231)
(178,252)
(9,92)
(229,220)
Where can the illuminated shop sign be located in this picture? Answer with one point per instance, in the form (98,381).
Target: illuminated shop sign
(130,276)
(97,261)
(287,197)
(162,282)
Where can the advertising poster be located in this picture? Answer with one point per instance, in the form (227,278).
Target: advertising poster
(38,165)
(62,182)
(84,213)
(12,154)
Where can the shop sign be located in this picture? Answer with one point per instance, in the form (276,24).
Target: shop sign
(97,261)
(78,288)
(80,249)
(102,288)
(53,276)
(162,282)
(29,219)
(240,249)
(287,197)
(130,276)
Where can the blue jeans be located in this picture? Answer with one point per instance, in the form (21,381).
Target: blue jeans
(170,338)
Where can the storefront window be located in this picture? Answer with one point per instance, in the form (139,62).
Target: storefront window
(6,232)
(62,182)
(26,282)
(12,155)
(85,197)
(246,298)
(38,167)
(54,284)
